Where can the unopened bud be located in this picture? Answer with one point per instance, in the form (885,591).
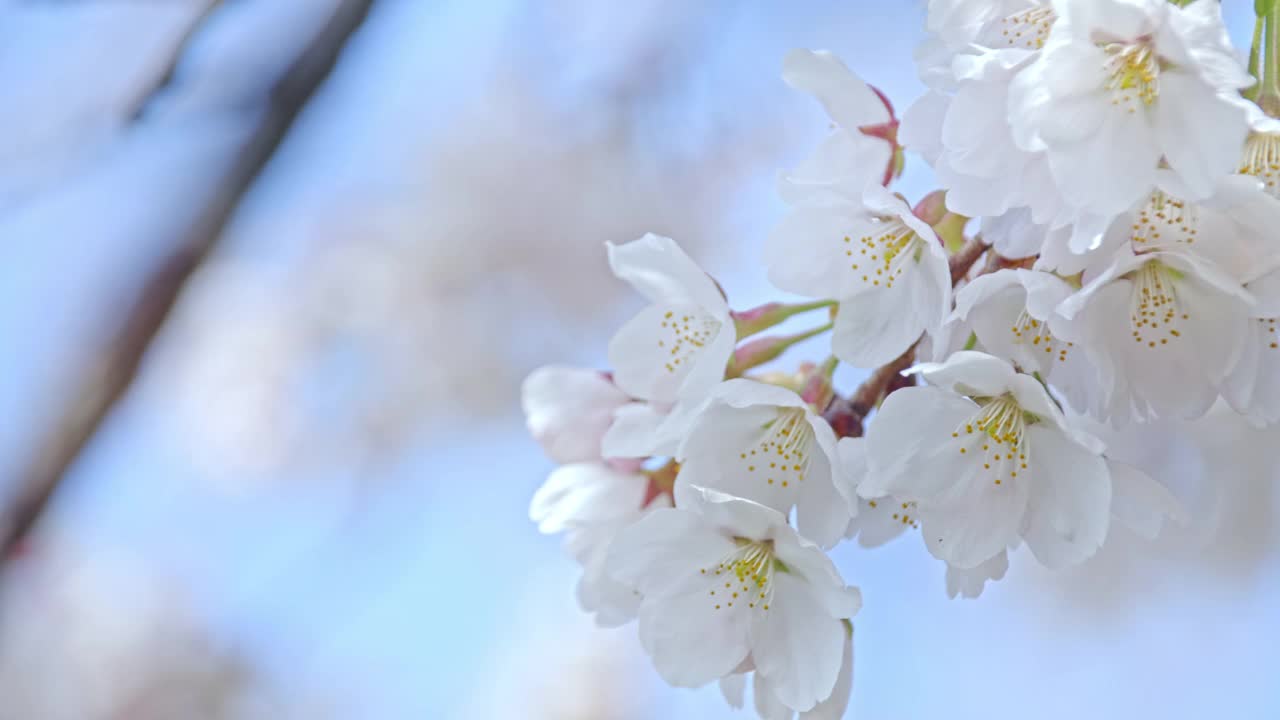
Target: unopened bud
(759,319)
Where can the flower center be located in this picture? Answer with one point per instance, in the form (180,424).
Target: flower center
(1134,72)
(1154,310)
(685,336)
(782,455)
(746,575)
(1028,330)
(883,256)
(1026,30)
(998,431)
(1164,221)
(1262,160)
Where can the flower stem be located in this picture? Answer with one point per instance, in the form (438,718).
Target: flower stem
(763,350)
(759,319)
(1255,58)
(818,389)
(965,257)
(1269,95)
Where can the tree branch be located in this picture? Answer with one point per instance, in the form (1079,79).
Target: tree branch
(105,382)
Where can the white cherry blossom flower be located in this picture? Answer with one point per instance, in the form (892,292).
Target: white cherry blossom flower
(1013,314)
(1123,85)
(1253,389)
(1165,327)
(724,581)
(989,458)
(568,410)
(592,503)
(885,266)
(769,707)
(681,343)
(1021,24)
(764,443)
(1233,228)
(848,157)
(874,521)
(975,156)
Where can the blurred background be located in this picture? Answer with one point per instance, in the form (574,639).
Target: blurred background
(270,274)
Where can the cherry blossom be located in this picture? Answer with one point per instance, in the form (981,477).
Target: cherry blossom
(989,458)
(1013,315)
(764,443)
(591,503)
(723,580)
(1166,327)
(681,343)
(1122,85)
(885,266)
(568,410)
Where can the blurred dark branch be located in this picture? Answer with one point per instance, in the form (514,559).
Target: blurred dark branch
(165,78)
(108,379)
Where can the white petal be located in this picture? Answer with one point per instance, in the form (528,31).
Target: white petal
(664,547)
(912,422)
(796,644)
(840,167)
(969,583)
(690,640)
(851,454)
(834,707)
(613,602)
(734,515)
(1110,172)
(1139,502)
(656,351)
(1014,234)
(636,432)
(709,365)
(1200,133)
(1070,506)
(978,519)
(767,704)
(970,373)
(877,326)
(984,287)
(848,100)
(742,393)
(711,456)
(660,270)
(585,494)
(882,520)
(921,128)
(821,512)
(568,410)
(803,253)
(734,690)
(805,560)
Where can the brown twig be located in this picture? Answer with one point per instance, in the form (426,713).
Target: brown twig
(164,78)
(965,257)
(104,383)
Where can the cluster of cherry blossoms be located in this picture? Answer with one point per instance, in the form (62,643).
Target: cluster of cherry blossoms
(1114,164)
